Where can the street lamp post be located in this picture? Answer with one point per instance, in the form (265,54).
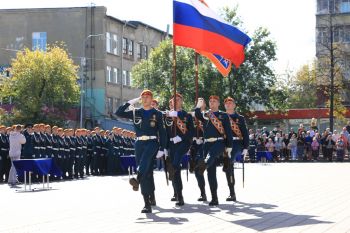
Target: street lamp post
(83,63)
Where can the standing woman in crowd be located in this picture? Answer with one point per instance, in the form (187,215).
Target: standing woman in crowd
(278,146)
(293,146)
(315,147)
(270,147)
(285,149)
(329,147)
(301,145)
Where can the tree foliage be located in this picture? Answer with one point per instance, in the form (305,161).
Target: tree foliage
(251,84)
(43,86)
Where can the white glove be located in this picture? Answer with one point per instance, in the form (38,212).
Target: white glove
(200,103)
(134,101)
(193,114)
(199,141)
(177,139)
(166,153)
(172,113)
(245,153)
(160,154)
(228,151)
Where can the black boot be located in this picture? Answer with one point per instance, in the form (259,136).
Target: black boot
(232,196)
(174,198)
(152,199)
(147,208)
(214,199)
(203,196)
(135,183)
(180,199)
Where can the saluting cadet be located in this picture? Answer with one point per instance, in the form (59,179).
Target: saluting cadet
(84,152)
(240,143)
(48,142)
(71,155)
(150,142)
(89,154)
(28,147)
(217,136)
(197,155)
(181,137)
(66,156)
(78,163)
(61,150)
(97,150)
(37,142)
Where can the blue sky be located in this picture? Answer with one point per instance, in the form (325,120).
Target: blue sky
(291,23)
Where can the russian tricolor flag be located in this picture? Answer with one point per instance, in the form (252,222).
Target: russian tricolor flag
(197,26)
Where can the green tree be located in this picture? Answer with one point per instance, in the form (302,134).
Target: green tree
(303,88)
(43,86)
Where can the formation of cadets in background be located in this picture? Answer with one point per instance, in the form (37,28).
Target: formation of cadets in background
(77,152)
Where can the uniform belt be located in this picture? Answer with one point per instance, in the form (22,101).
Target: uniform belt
(213,139)
(115,147)
(56,149)
(145,138)
(197,138)
(79,147)
(3,149)
(43,148)
(62,149)
(236,138)
(72,149)
(37,147)
(50,147)
(66,150)
(84,147)
(98,147)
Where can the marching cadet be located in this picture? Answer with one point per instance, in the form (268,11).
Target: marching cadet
(168,121)
(150,142)
(240,144)
(28,147)
(181,137)
(4,153)
(196,153)
(217,136)
(89,154)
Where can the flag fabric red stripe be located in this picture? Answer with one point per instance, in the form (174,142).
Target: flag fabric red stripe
(210,42)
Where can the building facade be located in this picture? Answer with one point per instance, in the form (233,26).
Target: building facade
(333,40)
(105,48)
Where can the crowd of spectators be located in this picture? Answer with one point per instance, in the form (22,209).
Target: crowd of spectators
(301,144)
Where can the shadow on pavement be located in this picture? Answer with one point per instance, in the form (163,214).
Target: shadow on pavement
(262,217)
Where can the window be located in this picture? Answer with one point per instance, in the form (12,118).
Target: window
(125,45)
(130,79)
(144,52)
(39,41)
(322,6)
(108,42)
(346,37)
(344,6)
(131,48)
(115,75)
(109,74)
(338,34)
(124,77)
(139,49)
(115,45)
(322,36)
(109,103)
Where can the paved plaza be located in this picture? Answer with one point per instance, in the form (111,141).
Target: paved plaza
(283,197)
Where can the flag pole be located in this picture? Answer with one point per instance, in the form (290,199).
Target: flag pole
(174,83)
(196,78)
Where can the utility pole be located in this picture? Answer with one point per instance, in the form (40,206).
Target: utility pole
(331,98)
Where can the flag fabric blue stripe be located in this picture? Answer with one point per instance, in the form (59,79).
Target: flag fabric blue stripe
(185,14)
